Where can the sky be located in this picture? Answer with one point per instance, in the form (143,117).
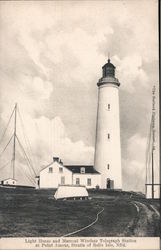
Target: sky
(51,57)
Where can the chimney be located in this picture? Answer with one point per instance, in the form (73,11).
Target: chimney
(61,162)
(56,159)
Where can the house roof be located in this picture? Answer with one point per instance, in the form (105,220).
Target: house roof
(76,169)
(46,166)
(9,179)
(50,164)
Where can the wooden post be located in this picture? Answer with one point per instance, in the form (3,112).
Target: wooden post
(152,175)
(14,142)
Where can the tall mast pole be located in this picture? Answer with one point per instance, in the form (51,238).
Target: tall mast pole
(152,174)
(153,136)
(14,141)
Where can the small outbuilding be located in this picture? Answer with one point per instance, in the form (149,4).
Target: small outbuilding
(9,181)
(71,192)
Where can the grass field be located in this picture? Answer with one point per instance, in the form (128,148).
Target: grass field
(25,212)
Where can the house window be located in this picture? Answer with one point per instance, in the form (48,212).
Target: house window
(77,181)
(6,182)
(108,136)
(83,170)
(50,170)
(60,170)
(108,107)
(13,182)
(108,166)
(62,180)
(89,182)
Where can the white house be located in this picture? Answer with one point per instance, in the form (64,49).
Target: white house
(56,174)
(9,181)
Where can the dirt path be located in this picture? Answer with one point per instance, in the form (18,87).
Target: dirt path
(145,221)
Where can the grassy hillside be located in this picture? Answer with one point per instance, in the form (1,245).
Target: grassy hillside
(25,212)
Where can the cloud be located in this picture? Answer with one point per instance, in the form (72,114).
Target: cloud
(71,152)
(134,166)
(133,176)
(29,92)
(130,70)
(54,141)
(137,142)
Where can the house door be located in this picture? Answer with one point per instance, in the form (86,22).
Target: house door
(108,183)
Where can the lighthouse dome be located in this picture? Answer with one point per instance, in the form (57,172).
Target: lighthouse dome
(108,69)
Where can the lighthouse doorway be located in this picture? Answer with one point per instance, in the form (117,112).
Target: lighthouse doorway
(110,184)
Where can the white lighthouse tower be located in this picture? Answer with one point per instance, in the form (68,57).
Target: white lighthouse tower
(107,145)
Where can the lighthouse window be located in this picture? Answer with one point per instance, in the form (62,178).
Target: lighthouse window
(108,106)
(108,166)
(108,136)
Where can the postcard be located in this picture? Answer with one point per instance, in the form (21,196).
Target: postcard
(79,125)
